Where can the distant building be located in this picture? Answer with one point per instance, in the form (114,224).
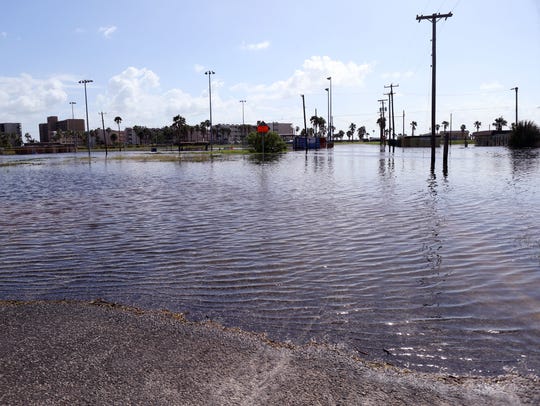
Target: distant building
(11,134)
(62,131)
(237,132)
(130,137)
(456,135)
(491,138)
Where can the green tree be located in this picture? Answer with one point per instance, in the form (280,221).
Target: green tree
(352,129)
(381,121)
(445,125)
(361,132)
(181,128)
(319,125)
(499,123)
(271,142)
(477,125)
(525,134)
(414,124)
(118,120)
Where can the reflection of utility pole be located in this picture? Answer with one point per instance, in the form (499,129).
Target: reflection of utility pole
(433,18)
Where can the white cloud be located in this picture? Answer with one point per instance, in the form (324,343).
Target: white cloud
(25,94)
(312,77)
(107,31)
(136,96)
(397,75)
(256,47)
(198,68)
(28,100)
(491,86)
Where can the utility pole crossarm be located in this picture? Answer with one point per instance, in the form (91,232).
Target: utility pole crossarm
(434,16)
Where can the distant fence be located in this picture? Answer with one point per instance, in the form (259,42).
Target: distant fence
(38,148)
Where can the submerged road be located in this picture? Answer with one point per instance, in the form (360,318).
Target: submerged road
(102,353)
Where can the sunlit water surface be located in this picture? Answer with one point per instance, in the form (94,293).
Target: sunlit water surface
(354,247)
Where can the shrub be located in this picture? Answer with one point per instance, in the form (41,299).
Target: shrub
(273,143)
(525,134)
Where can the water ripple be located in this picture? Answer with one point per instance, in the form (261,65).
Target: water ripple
(353,246)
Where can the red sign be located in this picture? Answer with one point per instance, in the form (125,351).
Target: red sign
(263,128)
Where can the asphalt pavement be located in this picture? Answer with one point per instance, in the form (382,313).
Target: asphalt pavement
(70,353)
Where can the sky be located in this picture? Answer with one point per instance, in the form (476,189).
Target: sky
(148,59)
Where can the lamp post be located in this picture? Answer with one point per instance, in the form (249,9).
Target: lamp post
(84,82)
(72,112)
(210,73)
(516,89)
(305,122)
(243,125)
(73,135)
(330,116)
(328,106)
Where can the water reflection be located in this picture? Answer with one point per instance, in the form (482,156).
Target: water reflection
(352,246)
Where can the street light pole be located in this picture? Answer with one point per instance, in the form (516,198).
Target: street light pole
(305,122)
(516,89)
(84,82)
(328,108)
(243,125)
(210,73)
(330,113)
(73,135)
(72,112)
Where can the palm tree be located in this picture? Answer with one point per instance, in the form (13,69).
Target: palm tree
(361,132)
(205,125)
(118,120)
(463,127)
(445,125)
(179,124)
(352,129)
(318,124)
(437,127)
(381,121)
(314,120)
(500,123)
(477,125)
(414,124)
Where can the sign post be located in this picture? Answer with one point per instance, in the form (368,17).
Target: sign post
(262,129)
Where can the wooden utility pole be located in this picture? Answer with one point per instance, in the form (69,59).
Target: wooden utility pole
(383,119)
(104,135)
(391,111)
(433,18)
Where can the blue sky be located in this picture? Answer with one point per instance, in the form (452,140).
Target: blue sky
(147,60)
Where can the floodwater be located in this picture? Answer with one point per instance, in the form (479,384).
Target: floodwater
(357,248)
